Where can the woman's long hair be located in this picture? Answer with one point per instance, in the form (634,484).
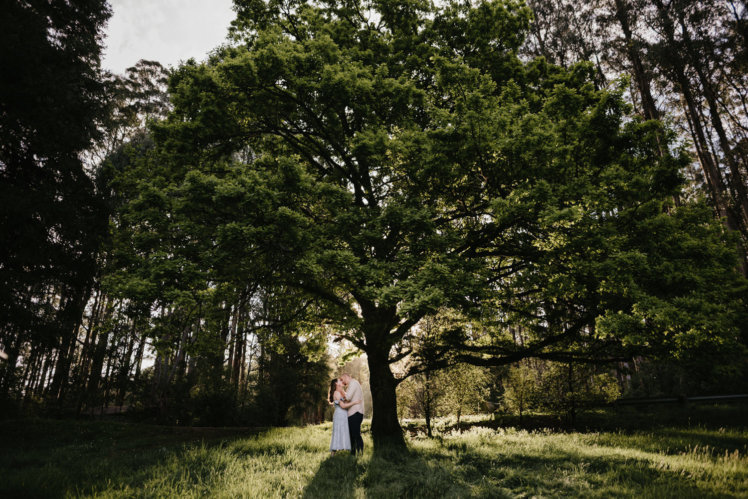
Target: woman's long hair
(333,387)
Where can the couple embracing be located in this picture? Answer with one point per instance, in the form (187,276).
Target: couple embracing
(348,398)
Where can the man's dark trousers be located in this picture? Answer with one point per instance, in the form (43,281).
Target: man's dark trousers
(354,428)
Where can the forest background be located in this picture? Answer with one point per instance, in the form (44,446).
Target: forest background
(472,206)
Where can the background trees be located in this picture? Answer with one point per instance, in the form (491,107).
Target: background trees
(385,161)
(558,388)
(685,61)
(52,99)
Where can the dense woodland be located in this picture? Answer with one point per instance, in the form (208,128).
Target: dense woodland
(499,205)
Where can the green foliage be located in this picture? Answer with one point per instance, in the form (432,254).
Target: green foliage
(214,405)
(421,396)
(457,390)
(466,389)
(708,372)
(520,389)
(388,160)
(558,388)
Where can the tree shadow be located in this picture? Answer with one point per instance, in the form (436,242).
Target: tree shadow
(454,469)
(337,477)
(50,458)
(89,459)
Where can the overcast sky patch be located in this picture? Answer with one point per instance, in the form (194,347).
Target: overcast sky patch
(167,31)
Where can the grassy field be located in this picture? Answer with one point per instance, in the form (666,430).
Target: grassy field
(693,452)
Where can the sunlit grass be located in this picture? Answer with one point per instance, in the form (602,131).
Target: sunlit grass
(58,459)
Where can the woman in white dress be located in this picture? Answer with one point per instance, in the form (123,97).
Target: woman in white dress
(341,439)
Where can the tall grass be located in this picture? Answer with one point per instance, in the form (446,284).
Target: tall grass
(97,459)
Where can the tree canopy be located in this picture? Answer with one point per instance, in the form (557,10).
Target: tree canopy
(391,158)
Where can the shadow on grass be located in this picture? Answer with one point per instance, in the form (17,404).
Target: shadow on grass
(336,477)
(557,473)
(386,472)
(51,458)
(455,469)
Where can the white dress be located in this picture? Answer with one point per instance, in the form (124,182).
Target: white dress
(341,439)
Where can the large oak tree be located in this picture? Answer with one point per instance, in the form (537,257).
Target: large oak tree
(391,158)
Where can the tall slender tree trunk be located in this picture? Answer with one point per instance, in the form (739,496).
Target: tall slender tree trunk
(708,165)
(649,108)
(9,371)
(427,403)
(139,355)
(232,338)
(97,360)
(736,180)
(35,386)
(125,366)
(49,361)
(34,371)
(108,380)
(643,82)
(65,348)
(572,396)
(238,342)
(29,369)
(179,365)
(83,368)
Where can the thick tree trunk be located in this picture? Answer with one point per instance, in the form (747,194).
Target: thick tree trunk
(385,427)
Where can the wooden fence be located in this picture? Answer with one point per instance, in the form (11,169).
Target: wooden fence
(681,400)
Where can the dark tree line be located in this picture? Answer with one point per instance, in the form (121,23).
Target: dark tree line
(78,322)
(184,243)
(53,101)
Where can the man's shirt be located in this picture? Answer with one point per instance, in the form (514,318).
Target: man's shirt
(354,392)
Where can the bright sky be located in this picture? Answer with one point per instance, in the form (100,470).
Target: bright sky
(167,31)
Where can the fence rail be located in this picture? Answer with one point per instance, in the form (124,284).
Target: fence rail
(682,400)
